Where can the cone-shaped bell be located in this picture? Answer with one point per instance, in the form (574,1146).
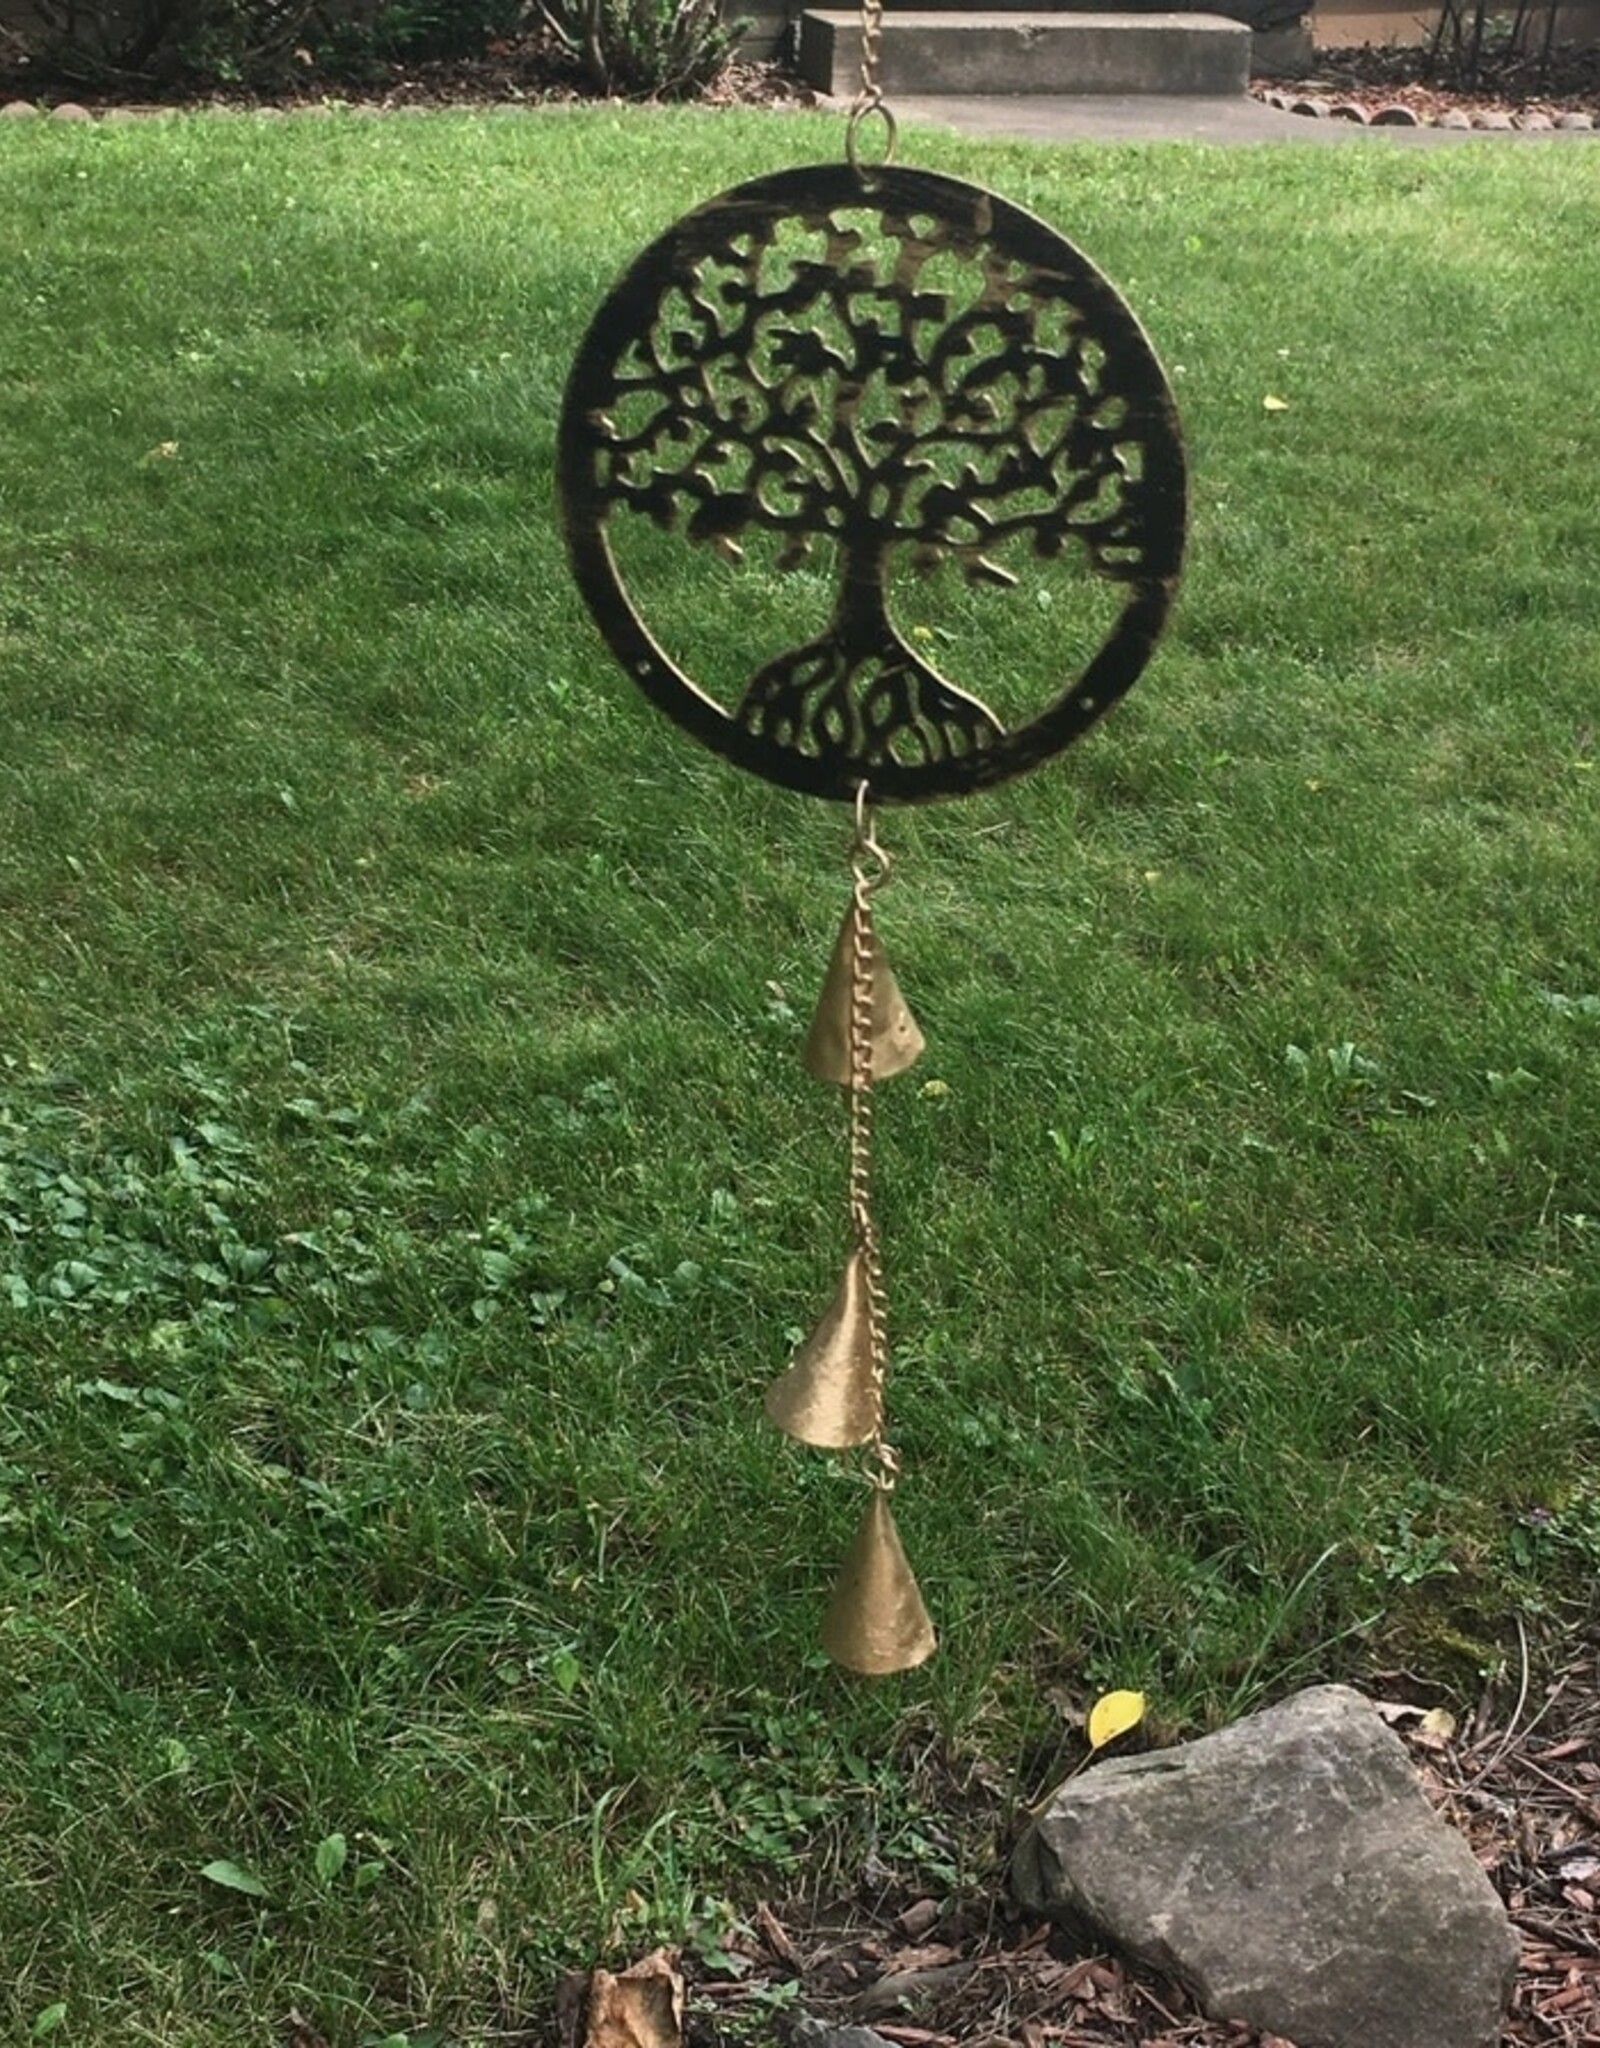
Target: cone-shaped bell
(829,1396)
(876,1622)
(896,1040)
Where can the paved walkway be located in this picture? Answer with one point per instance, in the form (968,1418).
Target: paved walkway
(1172,117)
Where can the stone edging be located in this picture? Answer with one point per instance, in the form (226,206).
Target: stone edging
(69,110)
(1532,121)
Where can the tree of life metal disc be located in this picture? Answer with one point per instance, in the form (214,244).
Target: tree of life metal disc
(878,367)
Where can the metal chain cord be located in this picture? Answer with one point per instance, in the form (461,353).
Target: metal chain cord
(866,879)
(869,100)
(871,94)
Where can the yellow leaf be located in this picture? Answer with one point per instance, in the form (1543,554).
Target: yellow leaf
(1438,1725)
(1113,1714)
(1272,404)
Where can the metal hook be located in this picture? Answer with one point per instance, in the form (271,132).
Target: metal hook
(866,845)
(866,105)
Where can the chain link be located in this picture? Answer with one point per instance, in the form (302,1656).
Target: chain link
(870,868)
(871,52)
(869,100)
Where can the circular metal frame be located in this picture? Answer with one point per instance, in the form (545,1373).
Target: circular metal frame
(894,722)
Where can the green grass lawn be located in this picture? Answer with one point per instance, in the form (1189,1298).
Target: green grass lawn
(407,1178)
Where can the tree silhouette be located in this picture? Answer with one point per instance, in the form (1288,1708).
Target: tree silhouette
(882,383)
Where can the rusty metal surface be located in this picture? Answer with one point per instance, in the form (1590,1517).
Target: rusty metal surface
(880,367)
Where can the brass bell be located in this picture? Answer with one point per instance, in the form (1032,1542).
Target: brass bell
(829,1395)
(876,1622)
(897,1043)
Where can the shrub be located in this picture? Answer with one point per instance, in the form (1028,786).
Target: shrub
(157,42)
(1470,44)
(645,49)
(353,34)
(261,44)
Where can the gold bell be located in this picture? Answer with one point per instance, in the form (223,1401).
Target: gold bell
(876,1622)
(896,1041)
(829,1396)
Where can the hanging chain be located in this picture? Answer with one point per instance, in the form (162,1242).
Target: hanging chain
(869,100)
(871,94)
(869,867)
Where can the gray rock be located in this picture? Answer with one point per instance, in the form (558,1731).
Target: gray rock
(14,109)
(69,110)
(1453,117)
(1533,121)
(806,2032)
(1495,118)
(1575,120)
(1397,116)
(1291,1871)
(907,1991)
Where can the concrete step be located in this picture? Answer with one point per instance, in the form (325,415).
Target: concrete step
(946,51)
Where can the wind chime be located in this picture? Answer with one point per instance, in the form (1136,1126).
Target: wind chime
(889,369)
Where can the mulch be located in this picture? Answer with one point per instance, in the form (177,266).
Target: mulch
(1519,1777)
(1372,79)
(1527,1798)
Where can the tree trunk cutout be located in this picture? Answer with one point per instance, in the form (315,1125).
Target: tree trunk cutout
(860,689)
